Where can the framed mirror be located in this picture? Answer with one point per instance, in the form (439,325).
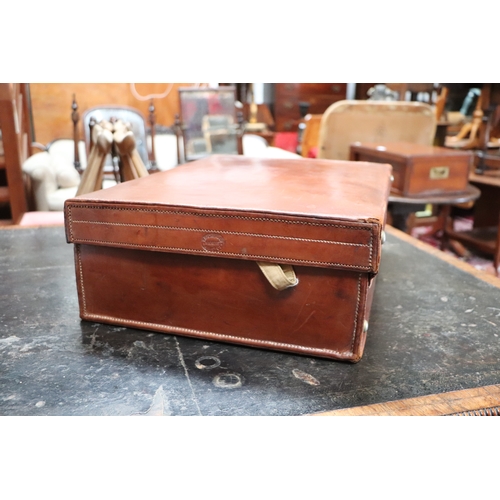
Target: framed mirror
(209,125)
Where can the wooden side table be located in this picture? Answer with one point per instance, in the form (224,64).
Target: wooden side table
(423,175)
(408,205)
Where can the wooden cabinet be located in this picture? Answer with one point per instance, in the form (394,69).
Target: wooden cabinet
(289,96)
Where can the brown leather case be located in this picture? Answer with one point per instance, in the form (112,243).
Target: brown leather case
(176,252)
(419,170)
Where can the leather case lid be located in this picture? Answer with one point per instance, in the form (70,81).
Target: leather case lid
(321,213)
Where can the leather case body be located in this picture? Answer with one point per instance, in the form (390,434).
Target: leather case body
(419,170)
(177,252)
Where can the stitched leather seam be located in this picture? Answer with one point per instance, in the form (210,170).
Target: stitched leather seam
(356,314)
(204,334)
(236,233)
(82,288)
(371,249)
(225,216)
(232,254)
(175,212)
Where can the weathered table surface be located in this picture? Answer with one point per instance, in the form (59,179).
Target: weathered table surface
(434,328)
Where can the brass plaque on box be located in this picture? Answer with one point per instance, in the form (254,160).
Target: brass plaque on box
(439,173)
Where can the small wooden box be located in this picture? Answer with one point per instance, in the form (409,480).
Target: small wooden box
(418,170)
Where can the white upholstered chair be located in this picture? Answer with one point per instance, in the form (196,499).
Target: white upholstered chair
(52,176)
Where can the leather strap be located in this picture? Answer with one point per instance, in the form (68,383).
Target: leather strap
(281,276)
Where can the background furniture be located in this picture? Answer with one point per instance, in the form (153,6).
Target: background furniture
(292,101)
(426,91)
(16,144)
(490,103)
(401,208)
(52,175)
(264,117)
(347,122)
(418,170)
(485,233)
(50,110)
(126,114)
(208,123)
(59,359)
(423,175)
(309,137)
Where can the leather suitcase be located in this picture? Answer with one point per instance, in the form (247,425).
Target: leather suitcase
(419,170)
(187,252)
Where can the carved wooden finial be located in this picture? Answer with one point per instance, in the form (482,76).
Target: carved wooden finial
(178,133)
(152,124)
(75,118)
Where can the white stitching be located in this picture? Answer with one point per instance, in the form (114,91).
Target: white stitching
(80,267)
(223,216)
(236,233)
(70,222)
(204,334)
(356,314)
(232,254)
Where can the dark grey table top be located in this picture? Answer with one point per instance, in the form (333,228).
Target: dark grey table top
(434,328)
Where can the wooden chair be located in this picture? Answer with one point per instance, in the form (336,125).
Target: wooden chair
(126,114)
(441,103)
(468,135)
(17,135)
(52,175)
(310,136)
(122,149)
(431,93)
(346,122)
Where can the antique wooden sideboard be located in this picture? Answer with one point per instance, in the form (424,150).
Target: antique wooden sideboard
(314,98)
